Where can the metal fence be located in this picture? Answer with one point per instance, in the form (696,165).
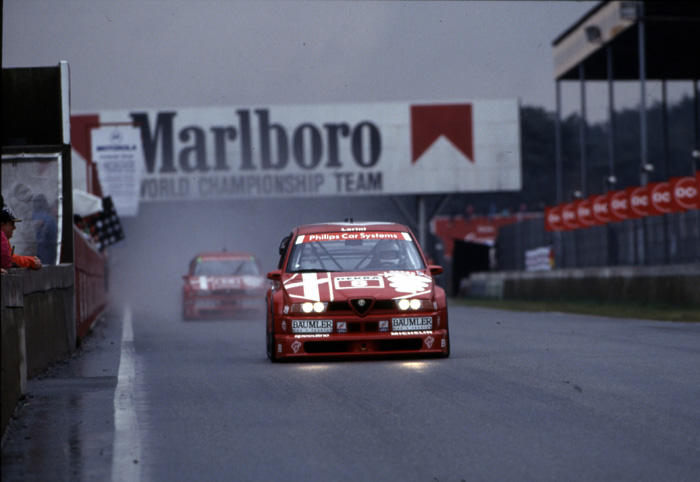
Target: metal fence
(650,241)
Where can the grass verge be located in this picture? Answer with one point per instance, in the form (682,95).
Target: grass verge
(612,310)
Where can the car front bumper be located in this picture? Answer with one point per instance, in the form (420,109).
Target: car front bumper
(353,345)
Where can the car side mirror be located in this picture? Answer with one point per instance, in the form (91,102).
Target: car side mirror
(435,269)
(284,244)
(275,275)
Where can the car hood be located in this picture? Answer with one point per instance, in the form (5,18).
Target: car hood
(214,283)
(333,286)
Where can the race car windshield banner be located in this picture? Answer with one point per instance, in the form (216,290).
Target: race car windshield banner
(321,150)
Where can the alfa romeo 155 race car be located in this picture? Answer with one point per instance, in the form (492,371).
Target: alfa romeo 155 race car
(222,285)
(354,290)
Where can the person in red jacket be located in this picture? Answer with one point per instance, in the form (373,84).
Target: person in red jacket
(9,258)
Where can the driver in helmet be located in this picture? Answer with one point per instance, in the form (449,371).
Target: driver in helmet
(389,255)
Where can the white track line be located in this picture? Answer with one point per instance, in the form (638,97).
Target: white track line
(126,452)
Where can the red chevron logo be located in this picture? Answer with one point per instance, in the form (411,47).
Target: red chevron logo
(429,122)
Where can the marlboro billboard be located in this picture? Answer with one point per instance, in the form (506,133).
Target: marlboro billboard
(322,150)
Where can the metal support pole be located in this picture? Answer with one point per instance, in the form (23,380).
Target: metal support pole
(558,251)
(644,154)
(558,146)
(644,177)
(611,114)
(422,224)
(582,129)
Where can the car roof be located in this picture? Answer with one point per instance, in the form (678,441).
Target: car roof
(221,255)
(351,226)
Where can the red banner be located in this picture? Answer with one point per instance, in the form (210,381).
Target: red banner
(656,198)
(600,205)
(568,216)
(684,192)
(584,213)
(638,201)
(660,198)
(552,219)
(619,205)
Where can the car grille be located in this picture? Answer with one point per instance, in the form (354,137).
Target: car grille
(345,306)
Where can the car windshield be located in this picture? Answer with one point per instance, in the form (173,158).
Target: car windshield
(366,251)
(226,267)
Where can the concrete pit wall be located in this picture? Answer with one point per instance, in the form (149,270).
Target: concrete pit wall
(38,327)
(679,284)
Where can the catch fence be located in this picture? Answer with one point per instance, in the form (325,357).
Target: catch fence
(650,241)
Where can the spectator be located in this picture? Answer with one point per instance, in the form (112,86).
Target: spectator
(9,259)
(46,230)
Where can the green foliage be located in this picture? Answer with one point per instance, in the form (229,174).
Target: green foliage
(671,157)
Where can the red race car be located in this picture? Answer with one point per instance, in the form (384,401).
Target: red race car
(354,290)
(222,285)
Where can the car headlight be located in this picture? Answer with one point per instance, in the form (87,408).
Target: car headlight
(309,307)
(406,304)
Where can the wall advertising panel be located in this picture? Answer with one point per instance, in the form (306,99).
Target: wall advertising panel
(326,150)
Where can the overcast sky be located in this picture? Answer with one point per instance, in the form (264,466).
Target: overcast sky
(128,54)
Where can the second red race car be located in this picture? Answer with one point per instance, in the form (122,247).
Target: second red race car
(223,285)
(354,290)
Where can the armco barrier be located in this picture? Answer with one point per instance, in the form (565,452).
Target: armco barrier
(675,284)
(38,327)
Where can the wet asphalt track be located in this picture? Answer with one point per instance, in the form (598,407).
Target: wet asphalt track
(524,396)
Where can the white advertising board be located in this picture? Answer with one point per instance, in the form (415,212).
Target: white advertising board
(116,149)
(327,150)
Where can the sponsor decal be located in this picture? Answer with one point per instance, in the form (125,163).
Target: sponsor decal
(409,282)
(411,324)
(411,333)
(218,282)
(429,342)
(357,282)
(383,325)
(341,327)
(295,346)
(349,236)
(316,335)
(308,286)
(312,326)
